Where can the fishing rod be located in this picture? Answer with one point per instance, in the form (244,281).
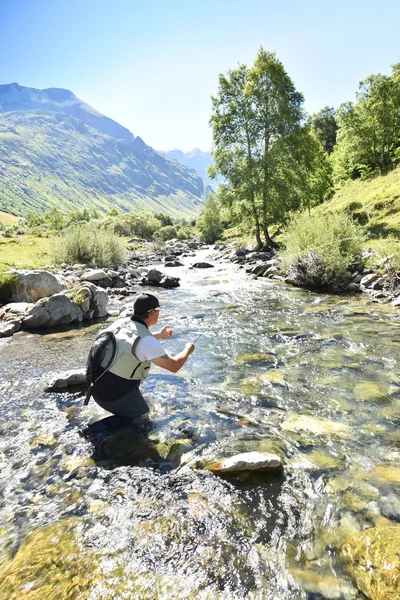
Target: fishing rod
(207,329)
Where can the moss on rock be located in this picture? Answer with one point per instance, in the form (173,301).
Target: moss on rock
(372,558)
(50,563)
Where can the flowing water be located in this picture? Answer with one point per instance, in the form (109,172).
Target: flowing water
(128,511)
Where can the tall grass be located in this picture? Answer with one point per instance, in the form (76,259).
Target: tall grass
(322,249)
(85,244)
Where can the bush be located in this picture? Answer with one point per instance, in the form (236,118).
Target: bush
(321,249)
(209,222)
(183,233)
(140,224)
(388,256)
(84,244)
(167,233)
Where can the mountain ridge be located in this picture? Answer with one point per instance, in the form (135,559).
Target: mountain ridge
(55,150)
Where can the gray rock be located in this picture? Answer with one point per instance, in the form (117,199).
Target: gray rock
(259,270)
(48,312)
(202,265)
(170,258)
(391,507)
(94,275)
(30,286)
(169,282)
(353,287)
(62,382)
(155,276)
(112,274)
(367,280)
(8,328)
(248,461)
(15,311)
(396,302)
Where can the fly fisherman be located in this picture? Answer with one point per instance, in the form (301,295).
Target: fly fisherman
(117,390)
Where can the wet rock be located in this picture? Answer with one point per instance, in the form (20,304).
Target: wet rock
(369,391)
(48,312)
(168,282)
(248,461)
(391,507)
(154,276)
(63,382)
(8,328)
(315,425)
(175,263)
(50,558)
(372,558)
(387,474)
(245,359)
(29,286)
(202,265)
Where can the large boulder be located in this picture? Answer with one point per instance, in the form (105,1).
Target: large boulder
(372,558)
(83,302)
(29,286)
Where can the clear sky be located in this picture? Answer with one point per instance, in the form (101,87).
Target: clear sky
(152,65)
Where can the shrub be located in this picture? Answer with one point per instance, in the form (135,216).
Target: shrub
(85,244)
(183,233)
(321,249)
(140,224)
(209,222)
(388,256)
(167,233)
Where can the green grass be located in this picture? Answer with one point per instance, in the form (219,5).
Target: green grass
(376,200)
(7,219)
(25,252)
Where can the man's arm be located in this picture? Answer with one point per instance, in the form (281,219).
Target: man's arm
(174,363)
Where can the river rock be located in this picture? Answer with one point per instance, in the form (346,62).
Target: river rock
(154,276)
(94,275)
(8,328)
(202,265)
(62,382)
(367,280)
(372,558)
(48,312)
(30,286)
(83,302)
(248,461)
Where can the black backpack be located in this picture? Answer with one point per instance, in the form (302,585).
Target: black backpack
(101,357)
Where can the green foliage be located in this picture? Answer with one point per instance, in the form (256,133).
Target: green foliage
(7,285)
(167,233)
(85,244)
(271,163)
(321,249)
(183,233)
(388,256)
(164,219)
(324,125)
(209,222)
(368,138)
(113,212)
(141,224)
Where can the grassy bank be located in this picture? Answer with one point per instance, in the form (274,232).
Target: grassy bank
(25,252)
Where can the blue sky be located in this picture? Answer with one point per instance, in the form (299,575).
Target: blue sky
(153,65)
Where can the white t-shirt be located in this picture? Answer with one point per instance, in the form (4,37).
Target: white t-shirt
(148,348)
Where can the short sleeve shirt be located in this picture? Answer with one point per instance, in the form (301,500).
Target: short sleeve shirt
(148,348)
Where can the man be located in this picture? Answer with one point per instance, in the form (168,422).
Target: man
(117,391)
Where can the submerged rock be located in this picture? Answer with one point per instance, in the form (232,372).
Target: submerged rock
(50,562)
(315,425)
(372,558)
(248,461)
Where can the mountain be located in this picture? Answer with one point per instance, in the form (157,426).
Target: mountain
(55,150)
(195,159)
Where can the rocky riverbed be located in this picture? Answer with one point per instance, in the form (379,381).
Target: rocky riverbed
(311,378)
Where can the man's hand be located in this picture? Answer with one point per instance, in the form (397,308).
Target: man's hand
(165,332)
(189,347)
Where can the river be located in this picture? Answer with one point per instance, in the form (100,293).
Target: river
(131,513)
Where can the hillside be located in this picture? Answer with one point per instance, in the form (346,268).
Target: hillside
(195,159)
(57,151)
(375,203)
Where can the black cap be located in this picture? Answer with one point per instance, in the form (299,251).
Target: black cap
(145,303)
